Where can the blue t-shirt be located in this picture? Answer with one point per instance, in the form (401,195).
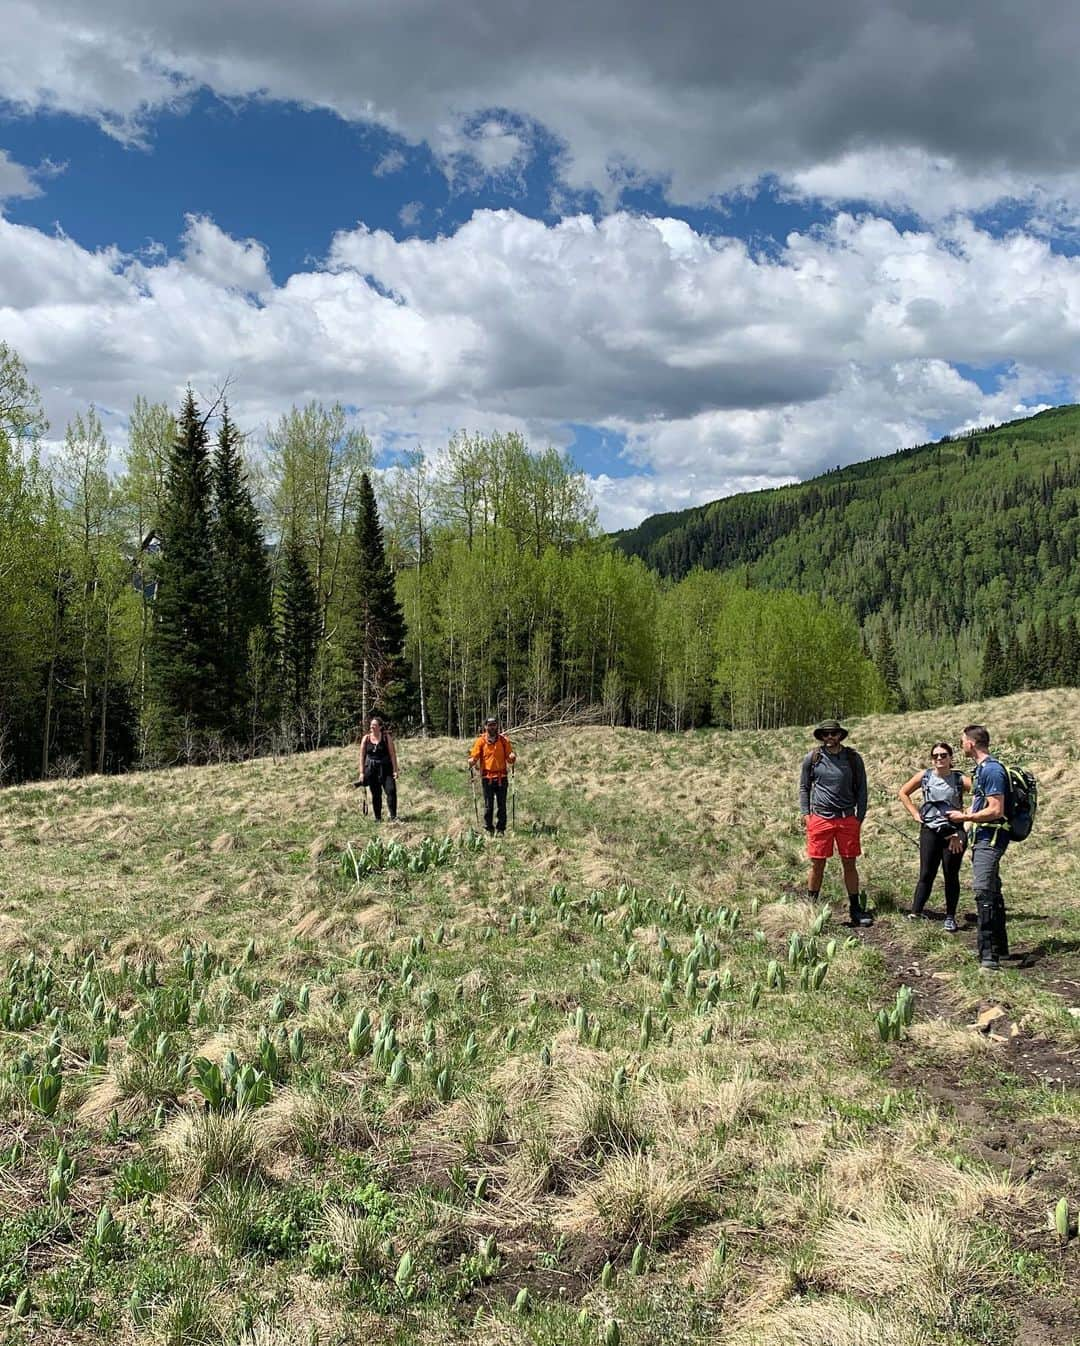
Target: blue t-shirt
(989,779)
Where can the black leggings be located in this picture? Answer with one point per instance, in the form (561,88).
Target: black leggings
(934,852)
(383,780)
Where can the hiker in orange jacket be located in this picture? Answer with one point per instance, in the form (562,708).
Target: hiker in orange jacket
(492,755)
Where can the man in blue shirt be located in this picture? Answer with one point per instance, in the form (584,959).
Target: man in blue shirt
(990,832)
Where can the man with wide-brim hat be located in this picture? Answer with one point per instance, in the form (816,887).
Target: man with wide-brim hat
(832,798)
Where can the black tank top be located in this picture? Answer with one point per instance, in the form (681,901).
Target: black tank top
(378,753)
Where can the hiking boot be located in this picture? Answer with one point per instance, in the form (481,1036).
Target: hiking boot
(950,925)
(858,913)
(917,916)
(989,965)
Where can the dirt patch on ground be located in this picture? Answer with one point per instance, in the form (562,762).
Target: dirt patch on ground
(1030,1057)
(526,1265)
(1030,1150)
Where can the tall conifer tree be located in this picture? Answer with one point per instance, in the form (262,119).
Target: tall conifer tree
(1014,663)
(377,627)
(299,632)
(243,574)
(993,673)
(185,652)
(888,667)
(1071,652)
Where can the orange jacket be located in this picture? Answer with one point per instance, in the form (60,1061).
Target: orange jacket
(493,759)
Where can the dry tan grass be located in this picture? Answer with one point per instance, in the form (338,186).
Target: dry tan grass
(356,1240)
(202,1148)
(587,1116)
(952,1041)
(830,1321)
(912,1250)
(13,938)
(329,1120)
(565,1152)
(698,1103)
(644,1198)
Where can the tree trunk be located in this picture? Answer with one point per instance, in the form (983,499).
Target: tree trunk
(104,698)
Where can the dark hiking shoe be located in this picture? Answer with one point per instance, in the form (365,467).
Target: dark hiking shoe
(950,926)
(858,914)
(989,965)
(917,916)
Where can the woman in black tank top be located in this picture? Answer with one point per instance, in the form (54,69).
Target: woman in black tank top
(379,768)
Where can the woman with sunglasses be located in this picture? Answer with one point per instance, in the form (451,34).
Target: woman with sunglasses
(941,843)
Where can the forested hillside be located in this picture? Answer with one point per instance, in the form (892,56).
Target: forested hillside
(939,550)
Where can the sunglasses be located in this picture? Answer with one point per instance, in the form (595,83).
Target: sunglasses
(941,754)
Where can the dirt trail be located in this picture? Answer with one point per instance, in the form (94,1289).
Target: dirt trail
(1036,1151)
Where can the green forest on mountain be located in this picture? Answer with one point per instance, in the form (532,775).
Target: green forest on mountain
(195,595)
(958,558)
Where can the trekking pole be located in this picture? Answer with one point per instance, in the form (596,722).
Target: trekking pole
(901,832)
(513,799)
(360,785)
(475,805)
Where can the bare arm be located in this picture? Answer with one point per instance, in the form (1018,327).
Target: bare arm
(907,790)
(993,812)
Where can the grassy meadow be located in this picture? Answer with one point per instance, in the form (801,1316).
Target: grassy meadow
(272,1073)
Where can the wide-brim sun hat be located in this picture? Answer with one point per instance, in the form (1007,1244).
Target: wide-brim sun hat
(830,727)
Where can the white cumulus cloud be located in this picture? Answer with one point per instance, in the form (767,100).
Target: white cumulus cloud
(16,180)
(722,369)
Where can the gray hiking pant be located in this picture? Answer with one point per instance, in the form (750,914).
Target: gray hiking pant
(989,903)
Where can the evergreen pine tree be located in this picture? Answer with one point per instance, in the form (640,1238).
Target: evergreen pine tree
(184,652)
(377,627)
(243,576)
(992,676)
(887,666)
(1051,646)
(1033,676)
(1014,663)
(299,634)
(1071,653)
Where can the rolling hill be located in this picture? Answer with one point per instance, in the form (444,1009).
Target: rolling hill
(933,545)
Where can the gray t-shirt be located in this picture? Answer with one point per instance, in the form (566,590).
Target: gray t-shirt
(834,785)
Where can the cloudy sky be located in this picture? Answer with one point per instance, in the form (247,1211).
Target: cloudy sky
(706,247)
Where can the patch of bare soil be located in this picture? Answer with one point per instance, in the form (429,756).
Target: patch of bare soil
(524,1265)
(1032,1058)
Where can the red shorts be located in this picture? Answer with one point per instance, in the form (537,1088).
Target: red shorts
(821,833)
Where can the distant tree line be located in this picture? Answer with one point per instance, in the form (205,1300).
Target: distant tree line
(200,599)
(1047,655)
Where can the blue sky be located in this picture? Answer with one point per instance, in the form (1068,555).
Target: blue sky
(699,258)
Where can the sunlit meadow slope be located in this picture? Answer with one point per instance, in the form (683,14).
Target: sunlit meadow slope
(272,1072)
